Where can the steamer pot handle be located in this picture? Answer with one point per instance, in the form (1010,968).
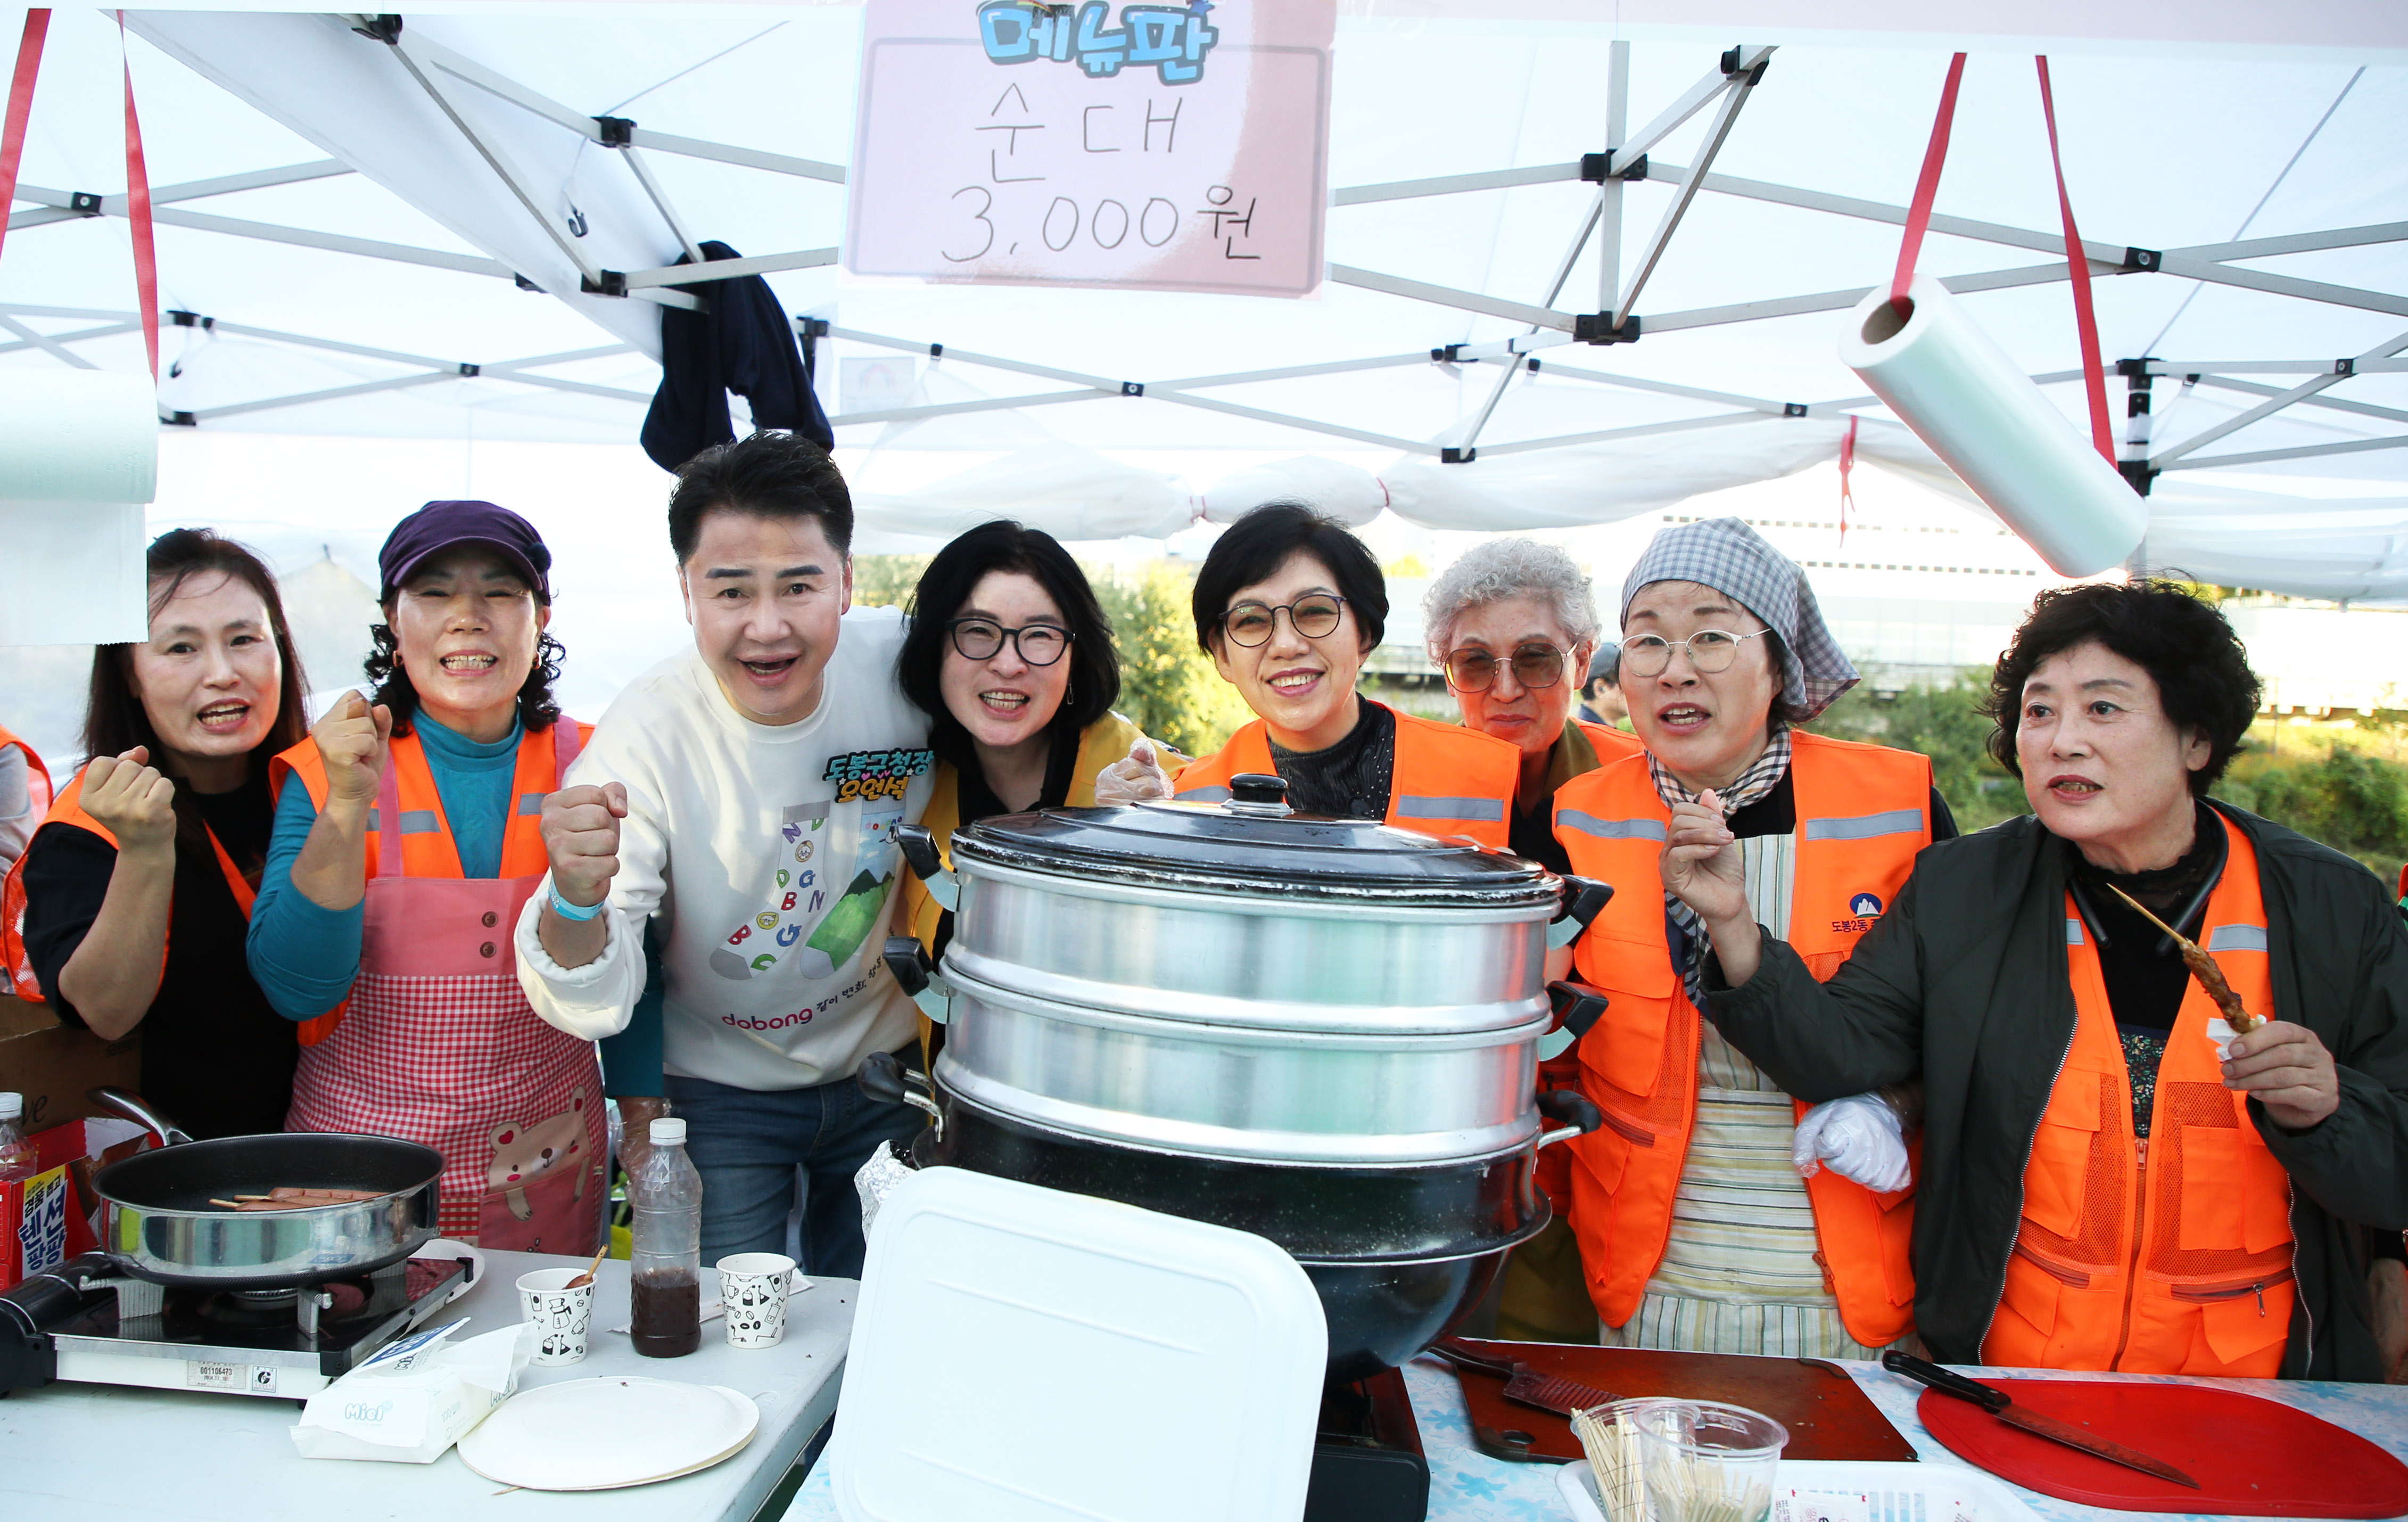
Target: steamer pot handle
(916,975)
(1585,900)
(168,1133)
(884,1079)
(1577,1008)
(920,852)
(1579,1115)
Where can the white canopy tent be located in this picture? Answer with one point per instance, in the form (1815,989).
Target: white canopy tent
(382,234)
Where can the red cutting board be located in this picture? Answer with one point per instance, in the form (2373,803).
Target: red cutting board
(2250,1455)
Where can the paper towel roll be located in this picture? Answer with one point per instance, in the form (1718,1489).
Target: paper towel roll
(1961,395)
(77,436)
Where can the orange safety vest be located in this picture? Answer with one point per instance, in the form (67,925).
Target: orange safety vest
(1863,812)
(1447,779)
(68,810)
(1609,743)
(16,974)
(426,846)
(2211,1291)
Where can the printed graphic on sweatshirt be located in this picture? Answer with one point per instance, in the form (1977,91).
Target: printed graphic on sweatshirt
(809,837)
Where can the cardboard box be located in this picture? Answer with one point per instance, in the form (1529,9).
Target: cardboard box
(53,1064)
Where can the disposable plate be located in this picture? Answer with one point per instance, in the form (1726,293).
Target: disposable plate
(603,1433)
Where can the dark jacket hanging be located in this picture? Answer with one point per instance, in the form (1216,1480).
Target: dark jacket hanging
(745,343)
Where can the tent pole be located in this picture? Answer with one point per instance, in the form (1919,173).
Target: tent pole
(1563,273)
(2306,451)
(2337,404)
(2274,404)
(1743,75)
(1443,295)
(1609,226)
(78,336)
(1741,86)
(48,345)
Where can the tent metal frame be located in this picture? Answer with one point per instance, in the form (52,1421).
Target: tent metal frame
(443,75)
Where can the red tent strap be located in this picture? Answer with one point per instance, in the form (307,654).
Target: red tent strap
(2086,318)
(137,213)
(1847,465)
(21,108)
(1927,185)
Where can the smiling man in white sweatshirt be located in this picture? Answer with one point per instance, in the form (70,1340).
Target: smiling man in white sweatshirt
(737,801)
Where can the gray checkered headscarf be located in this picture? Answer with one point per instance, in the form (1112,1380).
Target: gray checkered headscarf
(1733,559)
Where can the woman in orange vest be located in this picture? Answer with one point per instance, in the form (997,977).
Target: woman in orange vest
(400,864)
(1696,1227)
(133,894)
(1512,622)
(24,798)
(1289,605)
(2112,1179)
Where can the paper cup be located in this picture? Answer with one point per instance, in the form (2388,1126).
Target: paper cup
(561,1315)
(753,1286)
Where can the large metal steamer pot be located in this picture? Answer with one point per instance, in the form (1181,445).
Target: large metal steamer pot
(1324,1031)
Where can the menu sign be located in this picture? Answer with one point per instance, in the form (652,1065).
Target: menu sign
(1163,147)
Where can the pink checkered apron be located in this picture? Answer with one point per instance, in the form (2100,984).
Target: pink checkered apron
(438,1046)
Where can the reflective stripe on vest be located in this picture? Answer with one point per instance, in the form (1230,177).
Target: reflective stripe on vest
(2073,931)
(1610,829)
(531,803)
(420,821)
(1640,1062)
(1445,779)
(1431,808)
(1866,826)
(2202,1282)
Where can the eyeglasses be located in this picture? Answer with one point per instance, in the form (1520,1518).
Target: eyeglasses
(1315,617)
(1470,670)
(979,639)
(1709,650)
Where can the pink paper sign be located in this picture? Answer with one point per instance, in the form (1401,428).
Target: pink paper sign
(1161,146)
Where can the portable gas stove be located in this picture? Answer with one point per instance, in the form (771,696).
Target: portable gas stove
(85,1321)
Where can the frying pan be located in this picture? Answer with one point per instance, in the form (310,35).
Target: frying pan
(157,1222)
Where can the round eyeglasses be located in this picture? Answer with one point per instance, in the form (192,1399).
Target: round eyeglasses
(979,639)
(1315,617)
(1709,650)
(1474,670)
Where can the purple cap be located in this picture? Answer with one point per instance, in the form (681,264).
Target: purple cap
(439,525)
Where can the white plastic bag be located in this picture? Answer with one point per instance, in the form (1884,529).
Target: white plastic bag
(1860,1137)
(415,1399)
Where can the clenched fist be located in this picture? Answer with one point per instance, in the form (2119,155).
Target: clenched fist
(131,802)
(355,742)
(1134,781)
(580,834)
(1700,861)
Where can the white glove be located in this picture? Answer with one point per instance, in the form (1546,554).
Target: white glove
(1133,781)
(1860,1138)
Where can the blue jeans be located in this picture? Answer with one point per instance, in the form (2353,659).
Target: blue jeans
(747,1144)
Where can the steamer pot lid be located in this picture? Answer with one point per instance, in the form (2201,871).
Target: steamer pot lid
(1228,846)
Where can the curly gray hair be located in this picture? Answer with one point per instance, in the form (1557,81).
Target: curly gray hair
(1510,567)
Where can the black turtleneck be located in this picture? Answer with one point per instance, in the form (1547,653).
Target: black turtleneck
(1351,779)
(2145,974)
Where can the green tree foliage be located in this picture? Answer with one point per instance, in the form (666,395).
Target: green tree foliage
(1946,723)
(886,580)
(1169,687)
(2349,801)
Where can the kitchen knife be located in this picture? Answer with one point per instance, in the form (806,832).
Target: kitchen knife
(1524,1384)
(1999,1403)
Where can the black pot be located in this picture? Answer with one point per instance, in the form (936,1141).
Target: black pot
(1397,1254)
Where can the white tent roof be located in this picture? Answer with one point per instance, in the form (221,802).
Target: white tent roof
(332,204)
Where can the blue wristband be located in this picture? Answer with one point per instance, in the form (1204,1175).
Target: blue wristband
(580,912)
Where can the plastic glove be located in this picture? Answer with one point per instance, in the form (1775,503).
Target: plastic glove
(1860,1138)
(1134,781)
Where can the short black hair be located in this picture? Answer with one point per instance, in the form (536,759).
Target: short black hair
(2201,670)
(946,585)
(768,475)
(1259,544)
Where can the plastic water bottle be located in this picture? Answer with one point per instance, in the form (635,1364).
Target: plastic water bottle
(664,1268)
(18,1160)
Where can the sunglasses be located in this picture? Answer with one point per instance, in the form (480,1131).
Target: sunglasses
(1471,670)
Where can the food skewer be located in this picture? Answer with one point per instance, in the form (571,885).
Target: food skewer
(2203,967)
(293,1197)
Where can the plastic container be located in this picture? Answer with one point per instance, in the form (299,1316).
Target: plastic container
(18,1160)
(664,1268)
(1705,1461)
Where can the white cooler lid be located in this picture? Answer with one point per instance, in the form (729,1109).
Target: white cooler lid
(1023,1355)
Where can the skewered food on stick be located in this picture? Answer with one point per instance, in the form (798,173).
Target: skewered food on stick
(289,1197)
(2203,967)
